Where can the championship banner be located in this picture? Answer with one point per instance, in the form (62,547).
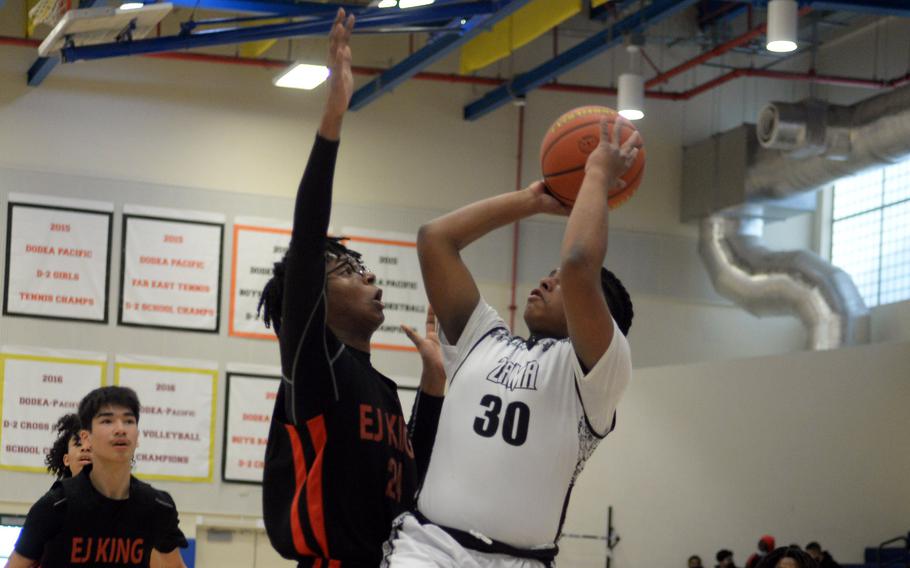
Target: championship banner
(57,258)
(251,394)
(258,244)
(392,257)
(176,417)
(39,386)
(171,263)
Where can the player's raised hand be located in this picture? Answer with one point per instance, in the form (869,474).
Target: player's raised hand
(614,156)
(433,377)
(341,80)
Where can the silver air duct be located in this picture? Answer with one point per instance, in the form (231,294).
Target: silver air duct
(766,282)
(823,143)
(736,180)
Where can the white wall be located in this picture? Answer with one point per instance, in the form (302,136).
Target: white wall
(807,446)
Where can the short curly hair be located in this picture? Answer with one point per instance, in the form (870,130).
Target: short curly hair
(270,302)
(67,428)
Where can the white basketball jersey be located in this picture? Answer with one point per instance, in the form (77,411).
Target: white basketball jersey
(513,434)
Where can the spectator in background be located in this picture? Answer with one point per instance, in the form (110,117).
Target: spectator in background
(67,456)
(695,561)
(821,556)
(765,546)
(787,557)
(725,559)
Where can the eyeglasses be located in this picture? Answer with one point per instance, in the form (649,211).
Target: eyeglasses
(348,266)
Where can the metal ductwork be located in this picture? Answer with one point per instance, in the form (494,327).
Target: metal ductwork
(771,172)
(766,282)
(812,144)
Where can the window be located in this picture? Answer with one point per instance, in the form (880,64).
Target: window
(9,533)
(870,232)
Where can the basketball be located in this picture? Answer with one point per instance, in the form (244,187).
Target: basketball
(565,150)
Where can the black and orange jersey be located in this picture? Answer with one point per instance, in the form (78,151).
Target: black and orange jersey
(340,465)
(75,525)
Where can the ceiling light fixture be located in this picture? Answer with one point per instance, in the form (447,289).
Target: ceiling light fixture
(302,76)
(413,3)
(631,92)
(131,5)
(387,4)
(782,26)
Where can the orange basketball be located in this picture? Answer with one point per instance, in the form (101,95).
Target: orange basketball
(565,150)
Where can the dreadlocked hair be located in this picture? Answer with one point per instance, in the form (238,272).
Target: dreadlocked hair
(618,300)
(270,300)
(803,560)
(67,428)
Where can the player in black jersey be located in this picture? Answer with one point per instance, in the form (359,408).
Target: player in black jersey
(104,516)
(67,456)
(340,464)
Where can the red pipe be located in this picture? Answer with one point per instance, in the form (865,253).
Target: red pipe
(900,81)
(516,227)
(716,52)
(821,79)
(716,82)
(717,13)
(19,41)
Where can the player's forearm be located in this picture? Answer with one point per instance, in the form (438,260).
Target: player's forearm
(16,560)
(330,125)
(433,380)
(584,244)
(460,228)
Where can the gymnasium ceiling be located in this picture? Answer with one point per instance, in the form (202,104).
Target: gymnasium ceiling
(483,33)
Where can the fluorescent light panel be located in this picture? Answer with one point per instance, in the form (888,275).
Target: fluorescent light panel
(387,4)
(131,5)
(302,76)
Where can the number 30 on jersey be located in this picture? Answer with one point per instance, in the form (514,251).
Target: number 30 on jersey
(514,420)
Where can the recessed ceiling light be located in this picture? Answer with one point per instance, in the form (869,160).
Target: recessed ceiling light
(414,3)
(302,76)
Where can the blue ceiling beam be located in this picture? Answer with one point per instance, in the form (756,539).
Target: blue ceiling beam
(43,66)
(878,7)
(656,11)
(605,11)
(438,48)
(40,69)
(366,20)
(900,8)
(277,7)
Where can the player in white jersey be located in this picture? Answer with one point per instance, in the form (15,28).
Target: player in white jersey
(520,416)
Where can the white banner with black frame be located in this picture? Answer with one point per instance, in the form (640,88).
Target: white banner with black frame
(57,258)
(171,269)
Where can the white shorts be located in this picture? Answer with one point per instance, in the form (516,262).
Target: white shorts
(413,545)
